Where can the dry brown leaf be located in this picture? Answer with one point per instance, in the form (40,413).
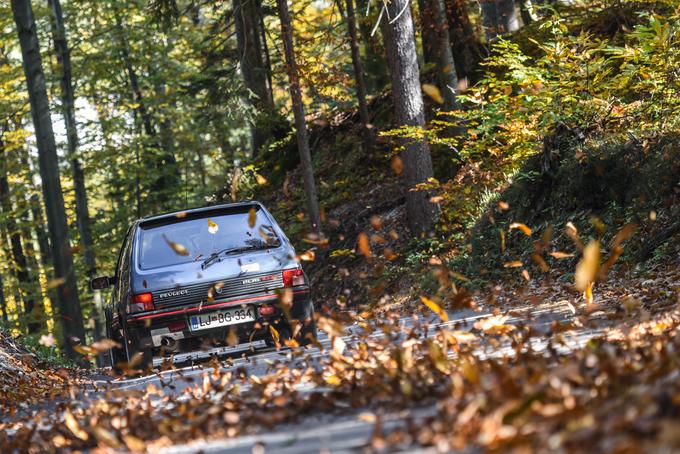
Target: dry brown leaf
(397,165)
(561,255)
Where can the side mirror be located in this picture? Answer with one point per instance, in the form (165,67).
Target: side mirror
(101,282)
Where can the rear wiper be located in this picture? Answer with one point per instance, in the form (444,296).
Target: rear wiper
(215,256)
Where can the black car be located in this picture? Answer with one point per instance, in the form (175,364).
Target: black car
(206,281)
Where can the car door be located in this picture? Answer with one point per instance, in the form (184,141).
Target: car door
(121,290)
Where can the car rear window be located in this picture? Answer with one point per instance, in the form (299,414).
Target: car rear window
(195,238)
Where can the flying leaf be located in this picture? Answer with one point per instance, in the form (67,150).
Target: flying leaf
(47,340)
(495,324)
(397,165)
(561,255)
(212,227)
(436,308)
(178,248)
(513,264)
(307,256)
(376,222)
(433,92)
(518,225)
(588,267)
(252,217)
(364,246)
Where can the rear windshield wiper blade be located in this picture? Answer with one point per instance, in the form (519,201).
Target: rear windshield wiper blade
(231,250)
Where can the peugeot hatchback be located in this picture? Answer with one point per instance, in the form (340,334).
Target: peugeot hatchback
(205,281)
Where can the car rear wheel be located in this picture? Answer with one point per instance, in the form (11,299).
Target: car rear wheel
(116,355)
(307,334)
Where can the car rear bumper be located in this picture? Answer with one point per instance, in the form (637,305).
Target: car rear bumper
(170,326)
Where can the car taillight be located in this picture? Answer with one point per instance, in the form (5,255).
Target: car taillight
(142,302)
(293,277)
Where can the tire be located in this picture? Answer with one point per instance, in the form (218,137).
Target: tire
(115,355)
(308,332)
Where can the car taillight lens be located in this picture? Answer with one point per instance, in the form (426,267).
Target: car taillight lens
(293,277)
(142,302)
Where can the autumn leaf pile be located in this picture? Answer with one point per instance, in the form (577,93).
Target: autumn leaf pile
(24,381)
(492,385)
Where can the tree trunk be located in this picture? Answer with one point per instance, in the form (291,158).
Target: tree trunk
(428,33)
(498,17)
(253,59)
(507,16)
(358,76)
(374,60)
(446,68)
(3,301)
(69,304)
(409,111)
(63,54)
(299,114)
(19,257)
(467,51)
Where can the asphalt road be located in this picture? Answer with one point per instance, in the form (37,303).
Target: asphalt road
(333,433)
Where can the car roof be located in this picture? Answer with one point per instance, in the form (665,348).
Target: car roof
(208,208)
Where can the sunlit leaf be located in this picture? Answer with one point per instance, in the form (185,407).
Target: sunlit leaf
(364,246)
(561,255)
(436,308)
(212,227)
(518,225)
(513,264)
(588,267)
(74,427)
(433,92)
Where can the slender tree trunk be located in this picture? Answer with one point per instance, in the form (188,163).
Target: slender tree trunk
(409,111)
(43,240)
(373,58)
(299,113)
(428,33)
(358,76)
(446,67)
(467,51)
(498,17)
(507,16)
(63,54)
(69,304)
(252,58)
(22,270)
(3,301)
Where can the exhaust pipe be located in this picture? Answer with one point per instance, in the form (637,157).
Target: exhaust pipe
(169,343)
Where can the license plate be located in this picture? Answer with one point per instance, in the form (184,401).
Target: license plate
(222,318)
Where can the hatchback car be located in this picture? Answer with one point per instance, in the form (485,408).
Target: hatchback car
(206,280)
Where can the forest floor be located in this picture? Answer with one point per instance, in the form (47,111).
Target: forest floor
(533,367)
